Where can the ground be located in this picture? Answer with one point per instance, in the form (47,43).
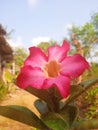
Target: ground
(17,97)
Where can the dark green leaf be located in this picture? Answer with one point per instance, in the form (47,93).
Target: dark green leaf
(41,106)
(88,83)
(24,115)
(42,94)
(55,121)
(69,113)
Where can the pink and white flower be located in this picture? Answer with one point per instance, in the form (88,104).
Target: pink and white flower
(43,71)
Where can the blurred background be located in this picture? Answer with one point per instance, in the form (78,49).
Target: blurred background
(44,23)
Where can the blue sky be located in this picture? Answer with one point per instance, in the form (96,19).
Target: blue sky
(36,20)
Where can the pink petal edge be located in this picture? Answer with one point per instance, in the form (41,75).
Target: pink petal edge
(37,58)
(31,77)
(57,52)
(74,66)
(61,82)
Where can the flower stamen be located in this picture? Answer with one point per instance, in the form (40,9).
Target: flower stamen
(52,69)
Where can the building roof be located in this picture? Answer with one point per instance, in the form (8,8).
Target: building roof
(6,51)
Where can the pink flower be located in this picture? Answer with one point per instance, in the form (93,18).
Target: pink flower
(55,69)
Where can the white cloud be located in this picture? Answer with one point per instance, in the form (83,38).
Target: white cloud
(32,3)
(68,26)
(38,40)
(15,42)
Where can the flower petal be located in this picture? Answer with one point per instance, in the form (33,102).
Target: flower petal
(36,58)
(31,77)
(61,82)
(57,52)
(74,66)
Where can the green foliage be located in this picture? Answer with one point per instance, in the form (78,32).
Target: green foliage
(94,20)
(92,73)
(85,125)
(3,90)
(8,85)
(19,56)
(69,114)
(94,70)
(55,121)
(91,98)
(50,118)
(9,77)
(45,45)
(87,34)
(22,114)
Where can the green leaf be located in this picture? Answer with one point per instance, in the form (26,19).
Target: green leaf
(89,83)
(69,113)
(85,125)
(55,121)
(22,114)
(77,90)
(41,106)
(42,94)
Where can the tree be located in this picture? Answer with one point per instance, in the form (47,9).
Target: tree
(87,34)
(19,56)
(94,20)
(45,45)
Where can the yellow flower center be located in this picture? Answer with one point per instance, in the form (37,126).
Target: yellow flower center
(52,69)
